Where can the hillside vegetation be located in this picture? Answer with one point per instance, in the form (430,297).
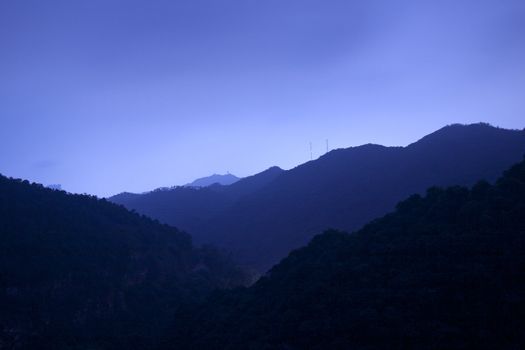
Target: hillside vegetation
(443,271)
(80,272)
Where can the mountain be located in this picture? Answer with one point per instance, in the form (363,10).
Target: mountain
(81,272)
(190,207)
(343,190)
(443,271)
(226,179)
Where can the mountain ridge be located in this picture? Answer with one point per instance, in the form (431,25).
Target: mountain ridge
(344,189)
(442,271)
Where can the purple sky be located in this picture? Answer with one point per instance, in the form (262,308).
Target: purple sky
(103,96)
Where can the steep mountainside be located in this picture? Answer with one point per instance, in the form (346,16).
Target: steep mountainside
(343,189)
(79,272)
(190,208)
(444,271)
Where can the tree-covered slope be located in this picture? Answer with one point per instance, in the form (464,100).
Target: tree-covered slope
(344,189)
(191,208)
(443,271)
(80,272)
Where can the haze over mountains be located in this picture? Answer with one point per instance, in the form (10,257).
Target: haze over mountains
(226,179)
(263,217)
(441,271)
(122,228)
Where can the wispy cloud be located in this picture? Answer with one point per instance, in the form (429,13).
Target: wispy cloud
(45,164)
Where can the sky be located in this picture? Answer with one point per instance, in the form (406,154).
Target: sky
(105,96)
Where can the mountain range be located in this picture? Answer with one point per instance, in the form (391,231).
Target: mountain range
(443,271)
(263,217)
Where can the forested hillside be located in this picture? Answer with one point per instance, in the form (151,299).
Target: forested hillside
(443,271)
(77,272)
(191,208)
(344,189)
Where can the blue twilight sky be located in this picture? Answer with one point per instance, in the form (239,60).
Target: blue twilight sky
(103,96)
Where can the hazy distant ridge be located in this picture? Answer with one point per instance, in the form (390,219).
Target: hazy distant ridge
(226,179)
(343,189)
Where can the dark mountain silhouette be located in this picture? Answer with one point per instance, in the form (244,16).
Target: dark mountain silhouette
(226,179)
(343,189)
(444,271)
(80,272)
(190,208)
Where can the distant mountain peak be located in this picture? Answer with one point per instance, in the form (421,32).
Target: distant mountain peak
(462,128)
(226,179)
(462,133)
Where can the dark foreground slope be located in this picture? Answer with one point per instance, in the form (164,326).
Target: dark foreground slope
(444,271)
(79,272)
(343,189)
